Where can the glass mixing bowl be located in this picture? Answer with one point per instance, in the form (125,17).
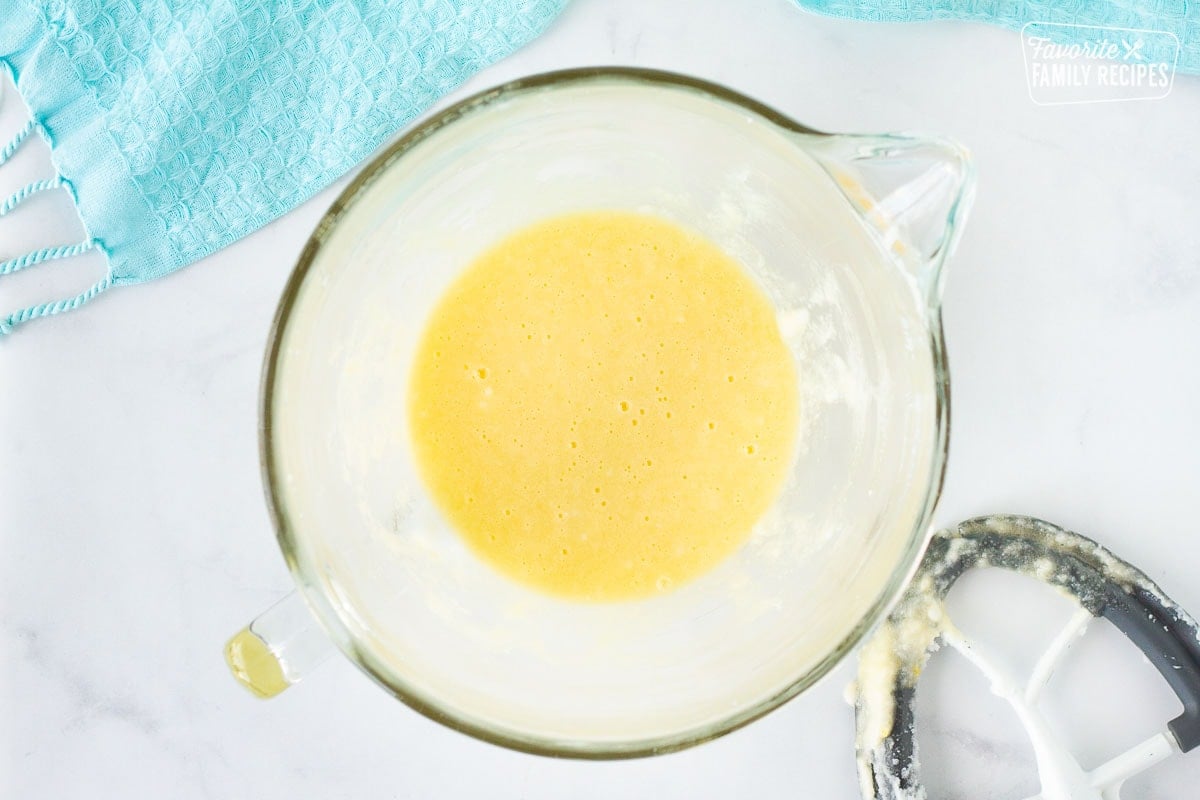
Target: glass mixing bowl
(845,234)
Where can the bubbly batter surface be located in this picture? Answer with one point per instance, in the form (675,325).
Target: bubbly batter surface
(602,405)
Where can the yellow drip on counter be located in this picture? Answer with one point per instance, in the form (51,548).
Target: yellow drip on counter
(603,406)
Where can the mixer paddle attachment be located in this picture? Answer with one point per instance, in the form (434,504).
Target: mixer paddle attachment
(1102,585)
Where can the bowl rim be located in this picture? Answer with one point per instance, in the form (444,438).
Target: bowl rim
(323,608)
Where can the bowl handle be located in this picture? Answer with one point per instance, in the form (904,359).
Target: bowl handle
(277,649)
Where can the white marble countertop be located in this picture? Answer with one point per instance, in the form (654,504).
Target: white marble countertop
(136,539)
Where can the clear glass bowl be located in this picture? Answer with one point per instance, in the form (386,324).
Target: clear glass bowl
(845,234)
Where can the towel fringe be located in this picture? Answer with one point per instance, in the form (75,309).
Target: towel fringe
(36,257)
(57,307)
(30,189)
(15,142)
(46,254)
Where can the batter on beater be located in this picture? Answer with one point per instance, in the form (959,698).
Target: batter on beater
(602,405)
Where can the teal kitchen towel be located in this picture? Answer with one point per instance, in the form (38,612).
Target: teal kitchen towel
(180,126)
(1070,21)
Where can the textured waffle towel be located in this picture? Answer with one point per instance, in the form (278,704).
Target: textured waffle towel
(1178,17)
(179,127)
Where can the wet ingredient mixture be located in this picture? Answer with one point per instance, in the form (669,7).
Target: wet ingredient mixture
(603,406)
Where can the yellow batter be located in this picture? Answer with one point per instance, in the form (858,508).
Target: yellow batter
(603,405)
